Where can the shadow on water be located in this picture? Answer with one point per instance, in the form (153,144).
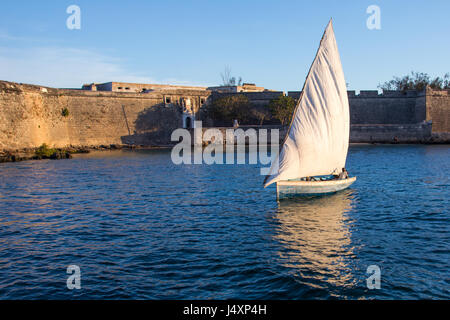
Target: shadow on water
(315,238)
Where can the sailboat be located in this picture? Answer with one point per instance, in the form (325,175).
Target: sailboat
(314,151)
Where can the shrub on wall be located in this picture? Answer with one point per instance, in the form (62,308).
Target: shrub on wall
(65,112)
(44,151)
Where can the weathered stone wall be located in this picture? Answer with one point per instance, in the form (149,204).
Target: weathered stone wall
(255,98)
(263,133)
(395,133)
(371,108)
(362,133)
(136,87)
(438,109)
(32,115)
(391,107)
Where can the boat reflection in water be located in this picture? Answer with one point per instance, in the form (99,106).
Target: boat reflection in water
(314,234)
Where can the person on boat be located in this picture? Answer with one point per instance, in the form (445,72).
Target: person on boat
(343,175)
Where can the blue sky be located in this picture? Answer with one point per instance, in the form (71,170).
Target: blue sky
(270,43)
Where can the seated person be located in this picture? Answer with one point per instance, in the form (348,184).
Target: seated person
(343,175)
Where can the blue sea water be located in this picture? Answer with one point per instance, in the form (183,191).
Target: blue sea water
(140,227)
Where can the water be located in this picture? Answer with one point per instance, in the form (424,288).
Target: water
(140,227)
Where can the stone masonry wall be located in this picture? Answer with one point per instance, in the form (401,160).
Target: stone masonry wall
(255,98)
(391,133)
(438,110)
(32,115)
(362,133)
(391,107)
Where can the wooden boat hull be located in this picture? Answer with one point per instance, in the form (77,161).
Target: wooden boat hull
(292,188)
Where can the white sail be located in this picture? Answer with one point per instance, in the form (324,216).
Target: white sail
(317,139)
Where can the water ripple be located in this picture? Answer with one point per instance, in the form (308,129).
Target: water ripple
(140,227)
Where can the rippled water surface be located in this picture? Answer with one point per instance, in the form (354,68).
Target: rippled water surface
(141,227)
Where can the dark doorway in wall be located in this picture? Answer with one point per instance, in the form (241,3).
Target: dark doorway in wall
(188,123)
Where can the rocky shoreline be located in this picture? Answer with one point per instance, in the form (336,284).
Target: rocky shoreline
(62,153)
(67,152)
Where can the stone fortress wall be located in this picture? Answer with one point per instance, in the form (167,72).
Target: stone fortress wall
(438,110)
(31,115)
(135,87)
(397,116)
(392,107)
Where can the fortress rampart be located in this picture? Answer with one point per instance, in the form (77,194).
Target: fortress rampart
(391,107)
(438,110)
(31,115)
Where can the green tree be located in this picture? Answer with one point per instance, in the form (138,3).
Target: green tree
(259,114)
(282,108)
(416,81)
(226,109)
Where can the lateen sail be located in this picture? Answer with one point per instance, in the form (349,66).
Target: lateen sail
(317,139)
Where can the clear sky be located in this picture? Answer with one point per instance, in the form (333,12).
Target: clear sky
(270,43)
